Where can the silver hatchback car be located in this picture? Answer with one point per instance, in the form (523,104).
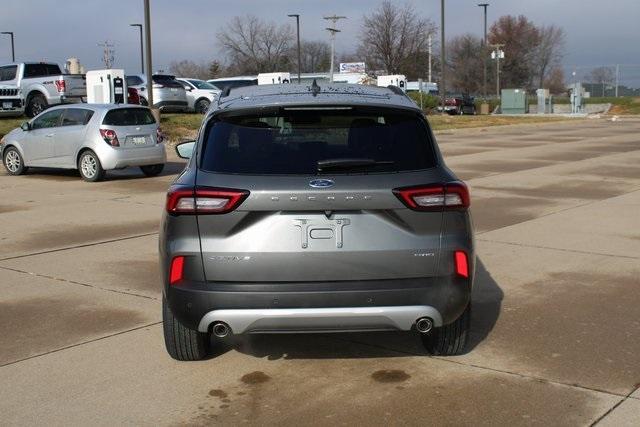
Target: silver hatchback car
(315,209)
(92,138)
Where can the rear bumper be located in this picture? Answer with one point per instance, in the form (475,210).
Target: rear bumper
(283,320)
(117,158)
(172,105)
(319,306)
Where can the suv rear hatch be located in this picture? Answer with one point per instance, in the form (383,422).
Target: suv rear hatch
(130,127)
(304,194)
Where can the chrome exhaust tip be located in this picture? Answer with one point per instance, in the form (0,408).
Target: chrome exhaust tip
(424,325)
(220,329)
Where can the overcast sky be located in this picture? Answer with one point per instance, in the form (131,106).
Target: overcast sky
(598,32)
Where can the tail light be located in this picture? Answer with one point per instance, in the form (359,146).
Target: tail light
(110,137)
(203,200)
(61,85)
(159,135)
(176,272)
(461,263)
(449,196)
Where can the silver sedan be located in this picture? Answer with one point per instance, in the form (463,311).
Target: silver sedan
(92,138)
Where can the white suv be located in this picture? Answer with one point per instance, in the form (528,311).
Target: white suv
(200,94)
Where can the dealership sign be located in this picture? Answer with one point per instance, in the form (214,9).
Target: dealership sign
(352,67)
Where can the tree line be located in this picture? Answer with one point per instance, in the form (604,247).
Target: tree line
(395,40)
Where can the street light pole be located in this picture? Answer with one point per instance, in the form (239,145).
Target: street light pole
(141,47)
(333,32)
(443,65)
(13,52)
(484,52)
(497,54)
(147,36)
(297,16)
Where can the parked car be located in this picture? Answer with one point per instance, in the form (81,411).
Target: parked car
(459,105)
(92,138)
(315,209)
(233,82)
(168,93)
(200,94)
(42,84)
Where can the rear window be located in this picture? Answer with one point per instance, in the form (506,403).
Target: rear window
(294,141)
(167,81)
(133,80)
(8,73)
(129,117)
(41,70)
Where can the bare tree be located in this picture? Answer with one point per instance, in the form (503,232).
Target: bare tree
(555,81)
(254,46)
(186,68)
(549,51)
(520,38)
(393,38)
(316,56)
(601,76)
(465,63)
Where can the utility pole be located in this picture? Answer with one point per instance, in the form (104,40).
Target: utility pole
(429,44)
(333,30)
(617,78)
(497,54)
(13,51)
(141,47)
(443,64)
(147,39)
(297,16)
(484,52)
(107,54)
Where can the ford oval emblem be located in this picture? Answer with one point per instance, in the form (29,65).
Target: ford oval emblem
(321,183)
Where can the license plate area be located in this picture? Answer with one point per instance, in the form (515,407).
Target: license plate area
(318,232)
(7,105)
(137,140)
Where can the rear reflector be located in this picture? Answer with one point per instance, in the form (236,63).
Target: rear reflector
(204,200)
(452,195)
(177,270)
(462,264)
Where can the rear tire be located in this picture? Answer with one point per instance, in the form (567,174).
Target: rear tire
(36,104)
(152,170)
(89,167)
(449,340)
(181,342)
(13,162)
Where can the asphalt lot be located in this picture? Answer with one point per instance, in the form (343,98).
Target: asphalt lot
(556,321)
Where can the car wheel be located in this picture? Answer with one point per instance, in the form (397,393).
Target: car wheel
(202,106)
(36,104)
(13,162)
(89,166)
(152,170)
(449,340)
(181,342)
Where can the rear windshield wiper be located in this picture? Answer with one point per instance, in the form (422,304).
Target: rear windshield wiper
(348,163)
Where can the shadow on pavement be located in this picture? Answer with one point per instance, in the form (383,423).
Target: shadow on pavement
(170,168)
(486,297)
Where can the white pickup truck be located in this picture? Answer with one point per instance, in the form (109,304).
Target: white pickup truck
(42,84)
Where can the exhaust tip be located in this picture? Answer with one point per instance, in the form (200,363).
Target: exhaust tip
(220,329)
(424,325)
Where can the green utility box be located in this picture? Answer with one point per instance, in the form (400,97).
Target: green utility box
(514,101)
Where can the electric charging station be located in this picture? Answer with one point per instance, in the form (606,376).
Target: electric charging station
(106,87)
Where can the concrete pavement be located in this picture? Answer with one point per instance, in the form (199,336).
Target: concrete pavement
(555,316)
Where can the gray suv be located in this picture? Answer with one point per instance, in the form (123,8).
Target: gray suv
(315,209)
